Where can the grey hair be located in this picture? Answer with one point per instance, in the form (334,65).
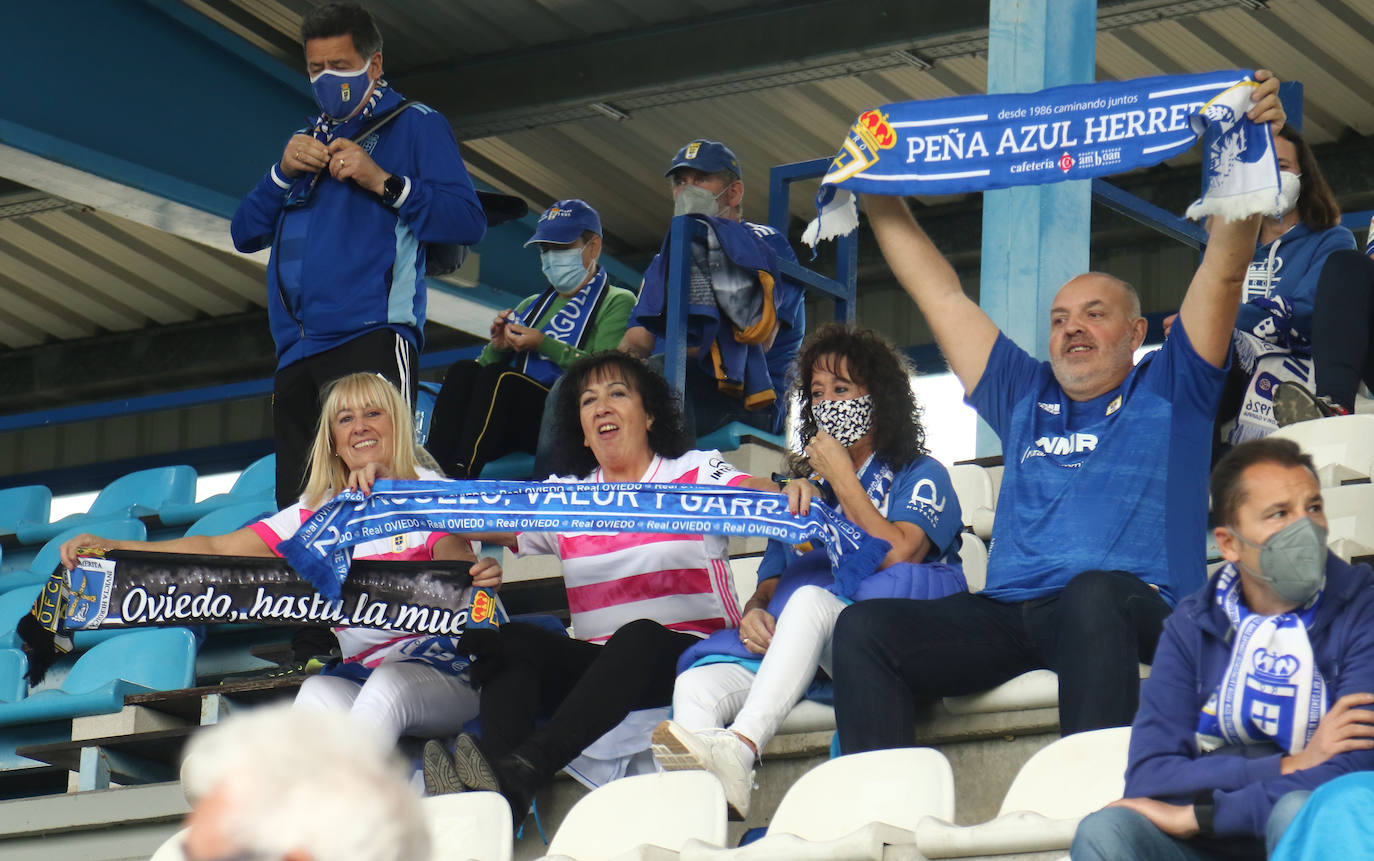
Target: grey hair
(1131,293)
(318,781)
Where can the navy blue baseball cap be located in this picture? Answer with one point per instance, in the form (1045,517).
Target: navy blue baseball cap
(564,222)
(707,157)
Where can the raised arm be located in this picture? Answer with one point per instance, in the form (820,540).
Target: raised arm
(964,332)
(241,542)
(1209,308)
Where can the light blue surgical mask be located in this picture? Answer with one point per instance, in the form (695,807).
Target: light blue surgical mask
(339,94)
(564,269)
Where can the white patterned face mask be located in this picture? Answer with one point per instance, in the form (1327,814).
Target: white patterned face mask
(847,421)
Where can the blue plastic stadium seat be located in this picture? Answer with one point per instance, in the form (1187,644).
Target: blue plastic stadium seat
(14,665)
(257,482)
(425,397)
(731,436)
(138,494)
(161,659)
(27,505)
(516,466)
(125,529)
(233,517)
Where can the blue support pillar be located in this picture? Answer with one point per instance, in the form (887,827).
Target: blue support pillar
(1035,237)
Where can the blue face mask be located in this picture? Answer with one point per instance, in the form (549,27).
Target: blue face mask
(564,269)
(339,94)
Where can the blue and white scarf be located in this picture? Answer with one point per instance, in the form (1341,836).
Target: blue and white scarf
(875,477)
(976,143)
(322,549)
(1272,690)
(568,326)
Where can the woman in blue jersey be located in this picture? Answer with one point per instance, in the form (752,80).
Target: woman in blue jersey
(864,442)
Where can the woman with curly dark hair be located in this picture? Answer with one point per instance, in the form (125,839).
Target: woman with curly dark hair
(637,601)
(863,442)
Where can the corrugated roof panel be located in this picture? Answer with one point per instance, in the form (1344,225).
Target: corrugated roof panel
(1320,87)
(213,282)
(1120,61)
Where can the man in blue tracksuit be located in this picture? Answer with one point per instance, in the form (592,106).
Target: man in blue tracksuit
(1261,684)
(348,222)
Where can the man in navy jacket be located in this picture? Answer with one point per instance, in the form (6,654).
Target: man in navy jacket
(1261,682)
(348,221)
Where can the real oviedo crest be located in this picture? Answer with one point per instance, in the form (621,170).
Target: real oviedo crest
(868,137)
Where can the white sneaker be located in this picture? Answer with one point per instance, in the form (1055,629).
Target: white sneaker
(718,751)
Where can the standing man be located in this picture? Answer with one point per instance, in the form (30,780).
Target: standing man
(347,217)
(1103,504)
(348,221)
(705,180)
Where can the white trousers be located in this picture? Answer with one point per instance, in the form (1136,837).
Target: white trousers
(716,694)
(399,698)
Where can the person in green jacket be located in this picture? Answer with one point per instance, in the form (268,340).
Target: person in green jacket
(492,406)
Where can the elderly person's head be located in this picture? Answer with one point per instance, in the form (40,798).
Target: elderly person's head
(299,785)
(615,414)
(705,180)
(363,419)
(1268,506)
(569,239)
(854,385)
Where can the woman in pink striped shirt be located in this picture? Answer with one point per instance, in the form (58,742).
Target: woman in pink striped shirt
(637,600)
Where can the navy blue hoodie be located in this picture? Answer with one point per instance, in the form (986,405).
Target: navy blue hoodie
(1288,268)
(1192,654)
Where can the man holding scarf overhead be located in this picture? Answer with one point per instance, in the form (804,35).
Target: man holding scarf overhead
(1099,525)
(493,405)
(1261,686)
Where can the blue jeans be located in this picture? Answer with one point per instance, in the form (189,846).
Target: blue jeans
(893,654)
(1115,833)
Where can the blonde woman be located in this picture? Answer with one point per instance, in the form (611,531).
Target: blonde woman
(400,683)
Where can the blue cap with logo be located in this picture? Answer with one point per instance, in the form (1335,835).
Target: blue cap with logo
(564,222)
(707,157)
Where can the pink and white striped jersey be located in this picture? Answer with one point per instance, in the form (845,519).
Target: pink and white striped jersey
(367,646)
(683,582)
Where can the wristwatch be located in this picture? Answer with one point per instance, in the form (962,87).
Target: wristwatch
(392,188)
(1204,808)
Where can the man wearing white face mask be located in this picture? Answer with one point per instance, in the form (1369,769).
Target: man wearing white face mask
(1261,684)
(705,180)
(348,222)
(493,406)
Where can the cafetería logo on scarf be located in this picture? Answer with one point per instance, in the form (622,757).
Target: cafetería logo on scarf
(971,143)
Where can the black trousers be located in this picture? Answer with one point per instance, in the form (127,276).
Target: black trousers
(1341,324)
(296,397)
(483,412)
(892,654)
(588,688)
(296,412)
